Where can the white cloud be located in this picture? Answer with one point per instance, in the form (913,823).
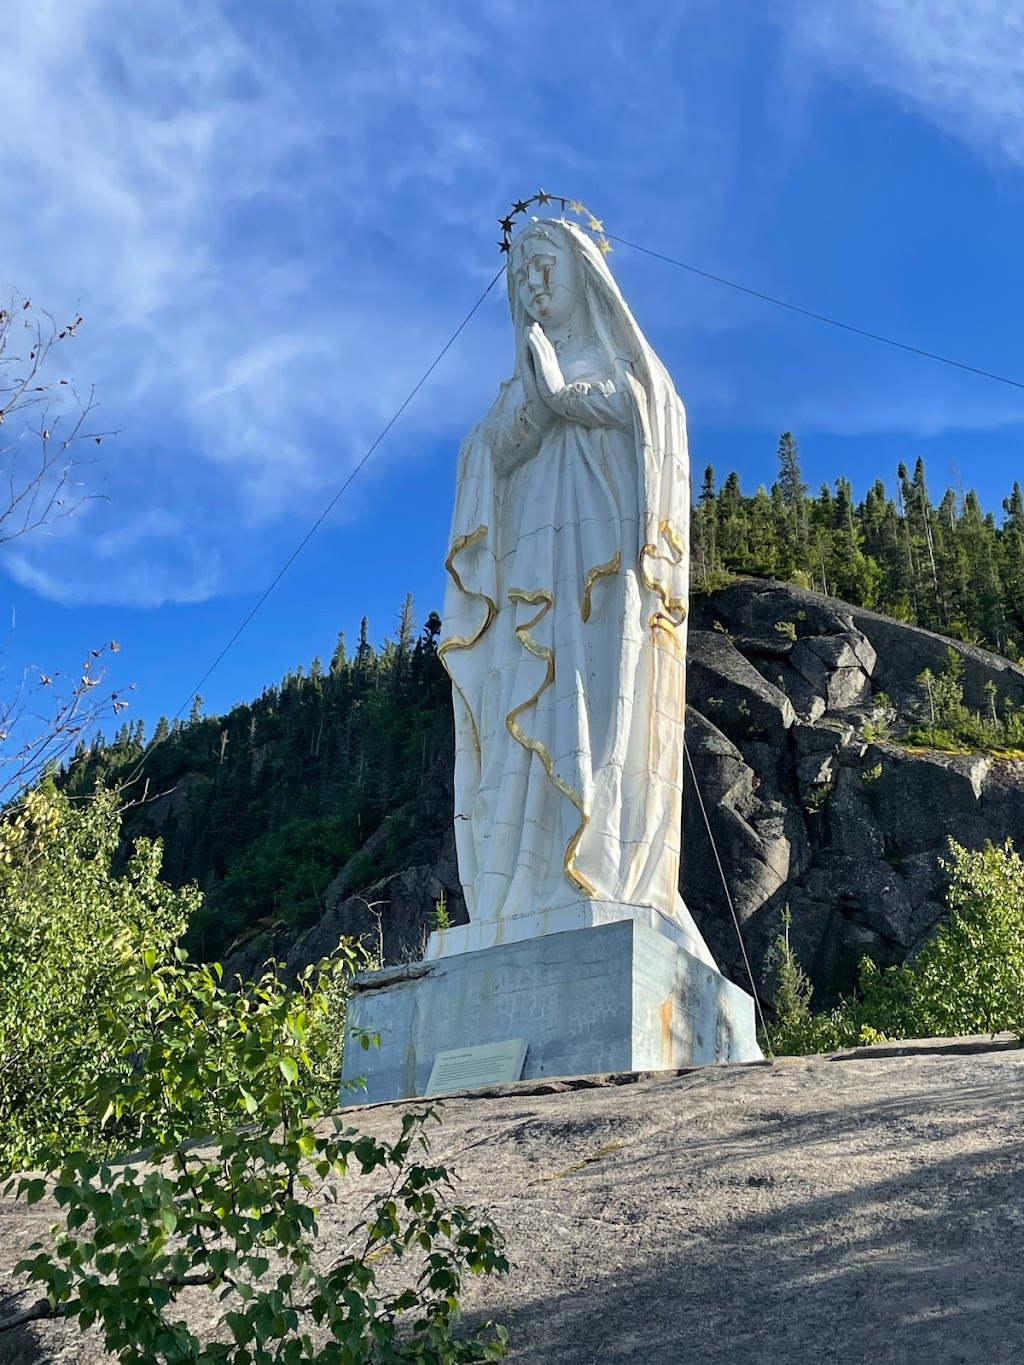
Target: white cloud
(272,216)
(219,213)
(958,62)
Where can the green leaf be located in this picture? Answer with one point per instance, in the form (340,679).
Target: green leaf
(34,1190)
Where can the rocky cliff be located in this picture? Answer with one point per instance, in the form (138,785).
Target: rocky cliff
(784,688)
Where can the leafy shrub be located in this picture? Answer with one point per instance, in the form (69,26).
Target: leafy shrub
(233,1215)
(953,727)
(969,978)
(69,930)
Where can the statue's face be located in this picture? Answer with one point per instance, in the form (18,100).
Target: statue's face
(545,281)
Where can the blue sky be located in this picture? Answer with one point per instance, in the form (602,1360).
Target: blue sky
(273,215)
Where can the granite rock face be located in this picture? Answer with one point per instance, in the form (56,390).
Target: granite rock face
(806,811)
(803,809)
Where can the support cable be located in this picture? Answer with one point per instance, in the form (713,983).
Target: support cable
(634,246)
(728,897)
(818,317)
(334,501)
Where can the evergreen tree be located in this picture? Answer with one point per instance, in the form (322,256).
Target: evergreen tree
(791,487)
(338,658)
(347,770)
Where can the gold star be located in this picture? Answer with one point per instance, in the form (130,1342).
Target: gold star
(521,205)
(542,198)
(505,224)
(505,245)
(604,246)
(576,206)
(595,224)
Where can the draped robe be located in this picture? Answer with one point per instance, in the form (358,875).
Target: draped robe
(565,628)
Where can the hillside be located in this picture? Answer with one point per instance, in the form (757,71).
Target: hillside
(832,776)
(801,715)
(863,1208)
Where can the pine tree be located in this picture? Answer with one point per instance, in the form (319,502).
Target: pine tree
(338,658)
(406,628)
(704,537)
(364,650)
(791,487)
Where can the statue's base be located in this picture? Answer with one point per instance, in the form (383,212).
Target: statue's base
(573,914)
(622,995)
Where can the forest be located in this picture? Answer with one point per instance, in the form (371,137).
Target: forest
(263,807)
(947,565)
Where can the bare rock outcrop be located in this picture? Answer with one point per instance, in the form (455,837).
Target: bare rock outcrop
(853,830)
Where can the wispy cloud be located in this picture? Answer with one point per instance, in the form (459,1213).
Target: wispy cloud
(272,216)
(216,216)
(267,220)
(958,62)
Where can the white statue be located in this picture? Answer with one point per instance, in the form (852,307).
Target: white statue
(565,617)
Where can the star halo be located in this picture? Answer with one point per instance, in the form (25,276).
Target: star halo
(588,220)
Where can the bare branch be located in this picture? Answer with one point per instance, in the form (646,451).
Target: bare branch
(47,716)
(42,1308)
(39,459)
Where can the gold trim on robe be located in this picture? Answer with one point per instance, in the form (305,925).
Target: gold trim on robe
(467,641)
(542,597)
(601,571)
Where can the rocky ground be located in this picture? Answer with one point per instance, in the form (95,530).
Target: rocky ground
(867,1207)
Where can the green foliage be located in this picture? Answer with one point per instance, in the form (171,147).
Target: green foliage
(795,1028)
(969,978)
(945,566)
(280,877)
(233,1215)
(346,769)
(69,930)
(954,727)
(816,796)
(265,806)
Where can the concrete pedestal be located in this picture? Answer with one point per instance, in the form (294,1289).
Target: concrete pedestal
(621,995)
(577,913)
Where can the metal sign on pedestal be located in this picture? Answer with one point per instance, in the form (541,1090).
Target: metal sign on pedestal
(464,1068)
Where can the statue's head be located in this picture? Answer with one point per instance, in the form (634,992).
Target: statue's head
(544,274)
(556,272)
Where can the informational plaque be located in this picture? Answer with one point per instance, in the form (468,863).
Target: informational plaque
(463,1068)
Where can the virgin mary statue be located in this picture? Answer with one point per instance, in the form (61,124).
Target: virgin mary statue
(565,617)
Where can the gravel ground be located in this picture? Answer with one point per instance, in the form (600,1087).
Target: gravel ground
(867,1207)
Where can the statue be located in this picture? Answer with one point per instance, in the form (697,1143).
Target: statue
(565,617)
(565,638)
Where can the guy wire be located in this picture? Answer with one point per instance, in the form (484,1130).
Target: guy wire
(334,501)
(136,773)
(818,317)
(728,897)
